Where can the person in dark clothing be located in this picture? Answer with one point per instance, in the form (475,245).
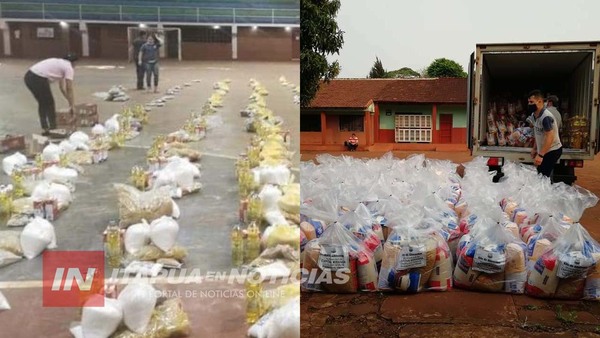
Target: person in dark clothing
(38,79)
(135,50)
(148,58)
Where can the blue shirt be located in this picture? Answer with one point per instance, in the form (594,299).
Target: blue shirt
(149,52)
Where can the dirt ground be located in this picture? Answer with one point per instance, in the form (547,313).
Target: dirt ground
(454,313)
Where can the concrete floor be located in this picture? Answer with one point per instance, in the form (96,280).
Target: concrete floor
(206,217)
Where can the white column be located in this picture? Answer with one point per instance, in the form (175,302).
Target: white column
(162,50)
(85,39)
(6,37)
(234,50)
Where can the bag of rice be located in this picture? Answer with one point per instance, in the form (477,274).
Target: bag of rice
(37,236)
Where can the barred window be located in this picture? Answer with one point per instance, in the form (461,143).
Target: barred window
(352,123)
(206,34)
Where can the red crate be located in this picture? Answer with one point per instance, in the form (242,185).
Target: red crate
(12,142)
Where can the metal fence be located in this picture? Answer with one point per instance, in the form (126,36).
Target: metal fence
(126,13)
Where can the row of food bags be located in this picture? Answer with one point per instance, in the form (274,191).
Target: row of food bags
(486,245)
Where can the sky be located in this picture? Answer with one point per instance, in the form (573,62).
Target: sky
(413,33)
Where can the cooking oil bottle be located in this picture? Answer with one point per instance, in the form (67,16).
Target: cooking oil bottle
(252,249)
(237,246)
(114,251)
(253,297)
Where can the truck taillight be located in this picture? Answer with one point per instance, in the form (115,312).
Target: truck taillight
(495,161)
(573,163)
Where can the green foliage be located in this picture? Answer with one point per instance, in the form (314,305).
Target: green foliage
(404,72)
(445,68)
(319,36)
(377,71)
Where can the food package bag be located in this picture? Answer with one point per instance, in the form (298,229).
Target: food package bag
(489,259)
(7,258)
(98,130)
(566,264)
(80,140)
(112,124)
(11,241)
(168,320)
(277,175)
(408,261)
(308,230)
(4,305)
(136,237)
(332,261)
(592,282)
(363,230)
(100,321)
(313,225)
(135,205)
(9,163)
(51,153)
(163,232)
(37,236)
(441,276)
(290,202)
(60,175)
(138,301)
(67,147)
(270,195)
(153,253)
(283,322)
(282,234)
(45,191)
(538,243)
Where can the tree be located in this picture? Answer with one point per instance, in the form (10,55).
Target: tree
(445,68)
(404,72)
(319,37)
(377,71)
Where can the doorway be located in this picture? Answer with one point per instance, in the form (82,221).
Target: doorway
(445,128)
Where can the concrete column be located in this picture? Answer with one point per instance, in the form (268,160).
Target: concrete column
(376,123)
(234,47)
(434,132)
(163,50)
(6,37)
(85,39)
(323,128)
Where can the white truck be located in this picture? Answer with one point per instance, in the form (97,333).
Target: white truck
(501,77)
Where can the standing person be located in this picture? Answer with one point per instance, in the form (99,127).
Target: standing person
(352,143)
(135,51)
(38,79)
(551,106)
(148,57)
(547,148)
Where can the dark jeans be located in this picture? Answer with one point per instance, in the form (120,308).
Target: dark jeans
(40,88)
(151,68)
(350,147)
(139,72)
(549,161)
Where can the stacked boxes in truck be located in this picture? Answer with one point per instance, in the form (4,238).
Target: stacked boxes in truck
(500,78)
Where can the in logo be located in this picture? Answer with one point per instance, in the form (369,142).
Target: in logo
(71,277)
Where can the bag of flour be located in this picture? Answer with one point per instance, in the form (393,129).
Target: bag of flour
(13,161)
(51,153)
(37,236)
(136,237)
(137,301)
(163,232)
(101,321)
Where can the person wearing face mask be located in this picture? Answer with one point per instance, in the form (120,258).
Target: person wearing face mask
(547,147)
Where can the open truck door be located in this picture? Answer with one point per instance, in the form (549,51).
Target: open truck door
(470,108)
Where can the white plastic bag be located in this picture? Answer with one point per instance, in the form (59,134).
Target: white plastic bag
(278,175)
(52,191)
(51,153)
(163,232)
(112,124)
(269,196)
(60,175)
(67,147)
(9,163)
(284,322)
(98,130)
(138,301)
(80,140)
(101,321)
(136,237)
(4,303)
(37,236)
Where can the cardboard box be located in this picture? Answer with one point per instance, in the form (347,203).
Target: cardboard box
(87,114)
(12,143)
(37,144)
(47,209)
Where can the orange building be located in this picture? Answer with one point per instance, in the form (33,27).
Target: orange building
(387,114)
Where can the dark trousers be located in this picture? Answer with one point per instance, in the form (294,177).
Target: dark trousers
(350,147)
(40,88)
(139,72)
(549,161)
(151,68)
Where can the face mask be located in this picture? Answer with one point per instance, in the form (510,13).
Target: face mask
(531,108)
